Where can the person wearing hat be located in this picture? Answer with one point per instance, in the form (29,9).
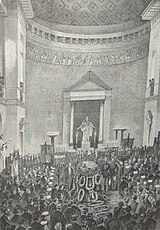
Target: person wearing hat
(57,216)
(142,207)
(75,224)
(10,205)
(36,225)
(16,219)
(140,221)
(100,225)
(37,212)
(3,205)
(122,186)
(68,227)
(26,217)
(91,223)
(52,206)
(83,217)
(126,215)
(150,223)
(113,224)
(117,210)
(76,209)
(68,213)
(54,192)
(59,192)
(19,205)
(5,222)
(134,204)
(132,223)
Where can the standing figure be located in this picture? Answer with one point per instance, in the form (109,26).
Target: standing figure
(149,119)
(14,163)
(87,129)
(3,146)
(151,84)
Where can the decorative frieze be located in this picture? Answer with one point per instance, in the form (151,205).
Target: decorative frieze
(50,56)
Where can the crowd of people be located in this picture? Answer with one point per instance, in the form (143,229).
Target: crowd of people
(40,196)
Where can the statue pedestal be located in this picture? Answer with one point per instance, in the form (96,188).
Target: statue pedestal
(86,145)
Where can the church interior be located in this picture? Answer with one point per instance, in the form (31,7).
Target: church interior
(79,80)
(105,52)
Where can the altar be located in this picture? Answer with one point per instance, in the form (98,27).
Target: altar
(89,98)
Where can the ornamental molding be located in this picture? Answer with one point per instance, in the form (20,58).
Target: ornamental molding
(114,57)
(27,8)
(152,12)
(52,37)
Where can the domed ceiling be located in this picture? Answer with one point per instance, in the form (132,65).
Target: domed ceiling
(88,12)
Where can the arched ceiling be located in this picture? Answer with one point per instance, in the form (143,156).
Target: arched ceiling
(88,12)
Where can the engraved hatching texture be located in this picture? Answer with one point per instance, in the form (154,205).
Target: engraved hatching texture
(88,12)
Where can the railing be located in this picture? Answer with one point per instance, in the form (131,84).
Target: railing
(152,91)
(36,29)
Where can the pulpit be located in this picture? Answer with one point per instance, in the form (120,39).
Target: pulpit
(47,150)
(52,135)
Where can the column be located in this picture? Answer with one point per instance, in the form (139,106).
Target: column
(71,40)
(14,33)
(101,118)
(66,119)
(72,122)
(107,117)
(122,132)
(1,45)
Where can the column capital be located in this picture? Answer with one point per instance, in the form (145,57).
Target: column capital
(102,102)
(72,103)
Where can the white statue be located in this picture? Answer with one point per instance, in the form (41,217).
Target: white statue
(87,129)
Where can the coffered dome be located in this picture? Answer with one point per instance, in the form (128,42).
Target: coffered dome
(88,12)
